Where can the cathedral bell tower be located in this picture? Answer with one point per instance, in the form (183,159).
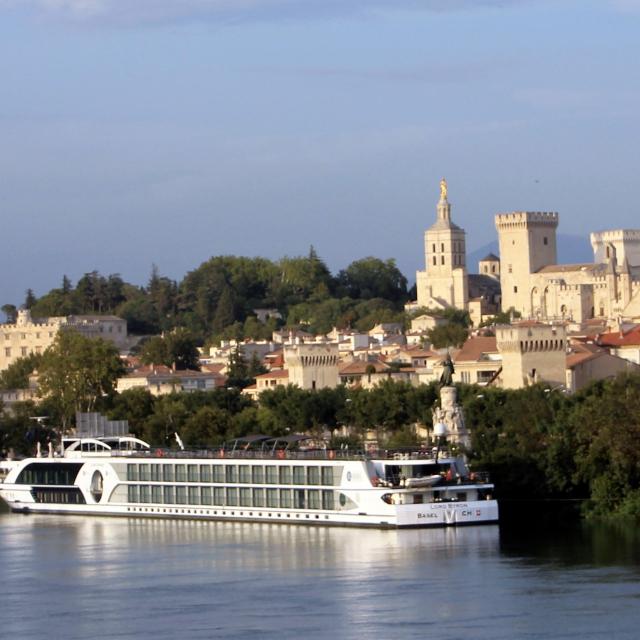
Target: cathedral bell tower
(443,283)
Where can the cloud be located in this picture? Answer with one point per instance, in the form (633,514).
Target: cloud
(132,12)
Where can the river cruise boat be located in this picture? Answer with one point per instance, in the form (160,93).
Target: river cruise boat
(257,478)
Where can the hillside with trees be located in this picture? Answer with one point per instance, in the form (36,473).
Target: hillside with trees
(218,299)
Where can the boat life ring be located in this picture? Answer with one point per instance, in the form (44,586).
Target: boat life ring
(159,453)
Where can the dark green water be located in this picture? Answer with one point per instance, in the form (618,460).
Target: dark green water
(80,577)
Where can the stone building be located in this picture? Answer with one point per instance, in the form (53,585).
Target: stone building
(535,285)
(312,366)
(532,352)
(27,335)
(443,283)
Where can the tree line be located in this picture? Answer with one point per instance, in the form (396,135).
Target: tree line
(218,298)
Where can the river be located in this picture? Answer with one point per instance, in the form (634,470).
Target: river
(98,577)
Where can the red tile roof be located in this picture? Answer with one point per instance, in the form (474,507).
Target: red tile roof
(474,347)
(619,339)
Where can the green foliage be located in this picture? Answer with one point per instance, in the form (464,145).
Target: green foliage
(10,311)
(75,371)
(504,317)
(176,348)
(373,278)
(452,334)
(18,432)
(16,375)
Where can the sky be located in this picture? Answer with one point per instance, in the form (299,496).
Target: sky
(135,132)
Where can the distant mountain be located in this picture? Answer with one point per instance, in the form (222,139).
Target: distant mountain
(571,249)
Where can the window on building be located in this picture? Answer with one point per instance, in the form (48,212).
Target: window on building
(545,240)
(442,246)
(515,289)
(435,260)
(442,260)
(509,269)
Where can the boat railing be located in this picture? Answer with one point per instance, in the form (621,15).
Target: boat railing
(222,454)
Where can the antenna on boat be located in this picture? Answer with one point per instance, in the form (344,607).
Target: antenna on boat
(179,441)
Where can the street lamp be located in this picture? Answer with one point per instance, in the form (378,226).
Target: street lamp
(440,432)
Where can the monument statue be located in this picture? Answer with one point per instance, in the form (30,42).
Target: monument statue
(446,379)
(443,189)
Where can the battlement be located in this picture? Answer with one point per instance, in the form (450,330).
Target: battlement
(615,235)
(523,219)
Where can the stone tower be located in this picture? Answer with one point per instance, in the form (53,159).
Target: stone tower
(312,366)
(527,243)
(532,352)
(443,283)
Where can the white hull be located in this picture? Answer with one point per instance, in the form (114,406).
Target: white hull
(423,515)
(314,492)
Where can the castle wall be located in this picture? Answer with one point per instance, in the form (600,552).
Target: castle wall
(532,353)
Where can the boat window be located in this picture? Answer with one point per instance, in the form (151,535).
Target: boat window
(144,472)
(299,475)
(168,495)
(271,474)
(58,495)
(192,473)
(299,498)
(96,486)
(231,473)
(156,494)
(167,472)
(245,475)
(314,499)
(205,473)
(218,473)
(232,496)
(343,500)
(327,500)
(418,498)
(132,472)
(272,498)
(181,495)
(313,475)
(205,495)
(327,476)
(258,497)
(181,473)
(285,475)
(245,497)
(219,496)
(132,493)
(145,493)
(59,473)
(285,498)
(258,474)
(156,472)
(194,495)
(461,497)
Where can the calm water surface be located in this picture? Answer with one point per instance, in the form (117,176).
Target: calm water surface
(81,577)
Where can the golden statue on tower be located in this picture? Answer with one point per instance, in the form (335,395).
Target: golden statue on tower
(443,189)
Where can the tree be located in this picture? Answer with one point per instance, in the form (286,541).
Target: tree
(175,349)
(16,375)
(373,278)
(75,371)
(448,335)
(30,299)
(10,311)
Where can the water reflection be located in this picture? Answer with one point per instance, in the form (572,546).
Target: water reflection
(108,577)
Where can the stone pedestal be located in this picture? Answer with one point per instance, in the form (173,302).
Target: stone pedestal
(450,414)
